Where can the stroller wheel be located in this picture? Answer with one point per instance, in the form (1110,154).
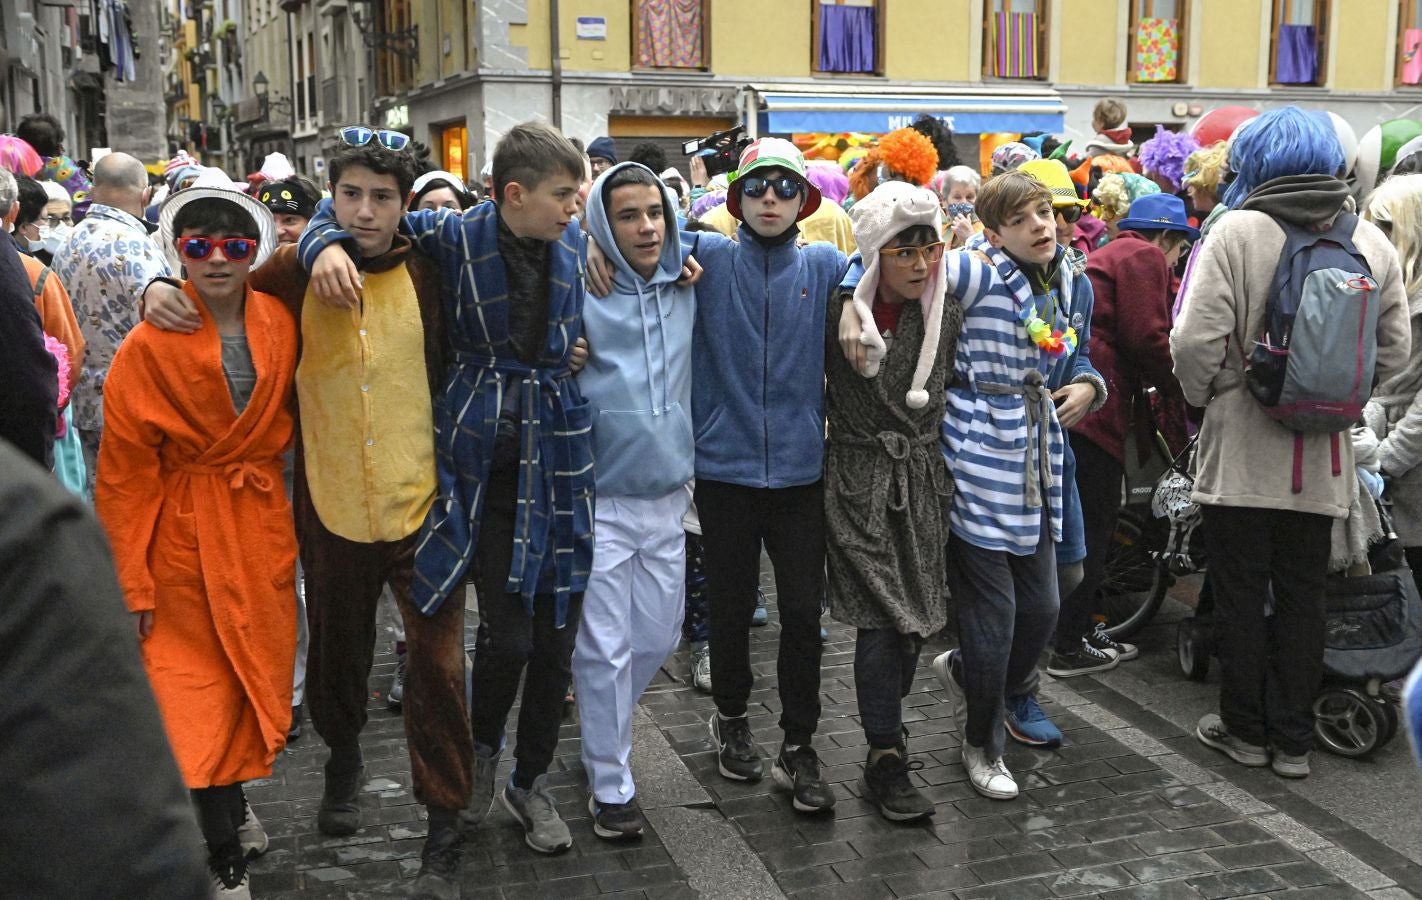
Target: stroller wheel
(1192,644)
(1390,717)
(1348,722)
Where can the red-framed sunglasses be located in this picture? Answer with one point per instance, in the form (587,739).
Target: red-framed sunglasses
(235,249)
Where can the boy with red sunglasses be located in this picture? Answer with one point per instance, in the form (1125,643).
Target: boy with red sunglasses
(189,490)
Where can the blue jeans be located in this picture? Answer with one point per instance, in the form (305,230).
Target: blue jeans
(884,663)
(1007,610)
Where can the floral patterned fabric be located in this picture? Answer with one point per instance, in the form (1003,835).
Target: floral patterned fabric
(669,34)
(105,265)
(1157,50)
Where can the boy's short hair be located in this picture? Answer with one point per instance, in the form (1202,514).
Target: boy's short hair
(629,175)
(532,152)
(217,217)
(378,160)
(1111,113)
(32,197)
(914,236)
(1004,194)
(42,132)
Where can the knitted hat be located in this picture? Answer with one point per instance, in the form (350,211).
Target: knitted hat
(773,153)
(603,148)
(878,218)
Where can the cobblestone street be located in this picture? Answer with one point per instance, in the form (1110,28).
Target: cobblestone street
(1132,806)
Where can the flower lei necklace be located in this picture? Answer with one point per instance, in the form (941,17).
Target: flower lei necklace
(1054,343)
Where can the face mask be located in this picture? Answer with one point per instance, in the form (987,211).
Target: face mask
(52,238)
(959,209)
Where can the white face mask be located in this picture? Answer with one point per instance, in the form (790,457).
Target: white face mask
(51,238)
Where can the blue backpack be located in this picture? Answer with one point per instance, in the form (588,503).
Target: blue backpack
(1312,366)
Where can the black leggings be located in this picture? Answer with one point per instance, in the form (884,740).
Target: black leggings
(221,811)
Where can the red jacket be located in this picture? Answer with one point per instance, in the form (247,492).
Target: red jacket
(1130,337)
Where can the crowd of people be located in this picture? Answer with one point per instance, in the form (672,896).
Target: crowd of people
(592,393)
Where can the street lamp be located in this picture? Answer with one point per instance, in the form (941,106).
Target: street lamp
(260,85)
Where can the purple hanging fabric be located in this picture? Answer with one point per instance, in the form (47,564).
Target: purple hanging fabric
(846,38)
(1297,60)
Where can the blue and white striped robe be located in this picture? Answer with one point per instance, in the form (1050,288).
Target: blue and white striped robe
(985,437)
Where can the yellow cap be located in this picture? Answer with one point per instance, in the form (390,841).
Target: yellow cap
(1055,176)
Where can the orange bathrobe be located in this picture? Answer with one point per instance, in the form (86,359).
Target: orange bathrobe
(56,313)
(192,499)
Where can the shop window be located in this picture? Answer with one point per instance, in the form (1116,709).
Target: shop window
(1015,39)
(1299,46)
(848,35)
(1409,47)
(671,34)
(1158,29)
(453,141)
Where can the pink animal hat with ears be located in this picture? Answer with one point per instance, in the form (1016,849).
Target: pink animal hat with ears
(889,209)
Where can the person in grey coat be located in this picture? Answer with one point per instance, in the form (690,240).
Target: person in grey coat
(1395,411)
(887,486)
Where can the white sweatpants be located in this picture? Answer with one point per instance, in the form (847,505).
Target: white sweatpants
(632,612)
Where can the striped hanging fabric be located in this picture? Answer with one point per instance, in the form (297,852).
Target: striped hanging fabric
(1015,44)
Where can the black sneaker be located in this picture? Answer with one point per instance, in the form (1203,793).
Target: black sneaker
(737,757)
(340,802)
(294,732)
(229,878)
(887,785)
(439,866)
(616,821)
(798,771)
(1083,662)
(1102,641)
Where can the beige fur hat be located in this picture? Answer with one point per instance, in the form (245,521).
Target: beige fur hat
(878,218)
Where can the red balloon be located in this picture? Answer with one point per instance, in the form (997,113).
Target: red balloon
(1219,124)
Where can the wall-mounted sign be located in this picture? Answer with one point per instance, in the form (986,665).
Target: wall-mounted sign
(673,101)
(592,28)
(397,116)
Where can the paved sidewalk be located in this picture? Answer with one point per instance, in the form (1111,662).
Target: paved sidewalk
(1130,807)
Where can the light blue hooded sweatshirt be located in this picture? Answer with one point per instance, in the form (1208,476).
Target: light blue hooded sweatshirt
(638,376)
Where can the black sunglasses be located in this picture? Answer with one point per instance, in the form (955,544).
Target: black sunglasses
(786,188)
(1070,214)
(360,135)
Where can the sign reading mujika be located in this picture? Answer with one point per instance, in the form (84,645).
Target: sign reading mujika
(673,101)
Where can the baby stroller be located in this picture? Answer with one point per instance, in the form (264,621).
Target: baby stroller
(1373,635)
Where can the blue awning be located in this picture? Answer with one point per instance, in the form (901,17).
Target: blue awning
(969,112)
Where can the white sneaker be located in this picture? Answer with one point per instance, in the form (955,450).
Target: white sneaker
(230,882)
(943,667)
(252,835)
(701,670)
(989,777)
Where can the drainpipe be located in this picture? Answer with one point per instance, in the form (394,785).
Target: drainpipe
(556,52)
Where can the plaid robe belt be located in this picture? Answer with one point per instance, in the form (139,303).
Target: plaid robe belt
(555,477)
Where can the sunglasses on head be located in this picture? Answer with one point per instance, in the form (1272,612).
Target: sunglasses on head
(235,249)
(360,135)
(1070,214)
(786,188)
(908,257)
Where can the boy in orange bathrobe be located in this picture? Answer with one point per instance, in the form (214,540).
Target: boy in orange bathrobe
(190,492)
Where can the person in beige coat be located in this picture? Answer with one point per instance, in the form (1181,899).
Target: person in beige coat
(1267,542)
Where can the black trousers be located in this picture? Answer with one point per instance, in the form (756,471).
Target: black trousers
(736,522)
(1098,481)
(515,647)
(884,666)
(1270,667)
(220,811)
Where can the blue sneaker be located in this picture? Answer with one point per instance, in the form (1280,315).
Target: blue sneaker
(1029,725)
(762,615)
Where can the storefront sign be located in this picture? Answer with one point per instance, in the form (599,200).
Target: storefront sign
(673,101)
(397,116)
(592,28)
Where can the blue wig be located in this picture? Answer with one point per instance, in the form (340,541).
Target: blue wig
(1281,142)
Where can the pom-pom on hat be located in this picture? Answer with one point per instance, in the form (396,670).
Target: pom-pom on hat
(886,211)
(773,153)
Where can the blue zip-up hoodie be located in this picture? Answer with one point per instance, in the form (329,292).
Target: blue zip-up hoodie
(758,359)
(638,376)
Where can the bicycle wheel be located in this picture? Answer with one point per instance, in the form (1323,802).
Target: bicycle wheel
(1136,579)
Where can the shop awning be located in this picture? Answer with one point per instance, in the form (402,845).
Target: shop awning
(969,111)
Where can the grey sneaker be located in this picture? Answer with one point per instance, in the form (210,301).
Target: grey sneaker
(395,698)
(1212,733)
(1287,765)
(948,667)
(251,834)
(543,829)
(486,763)
(701,670)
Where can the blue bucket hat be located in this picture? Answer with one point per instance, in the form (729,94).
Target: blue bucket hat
(1158,212)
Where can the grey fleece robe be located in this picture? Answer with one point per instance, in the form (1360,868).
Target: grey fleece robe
(1244,457)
